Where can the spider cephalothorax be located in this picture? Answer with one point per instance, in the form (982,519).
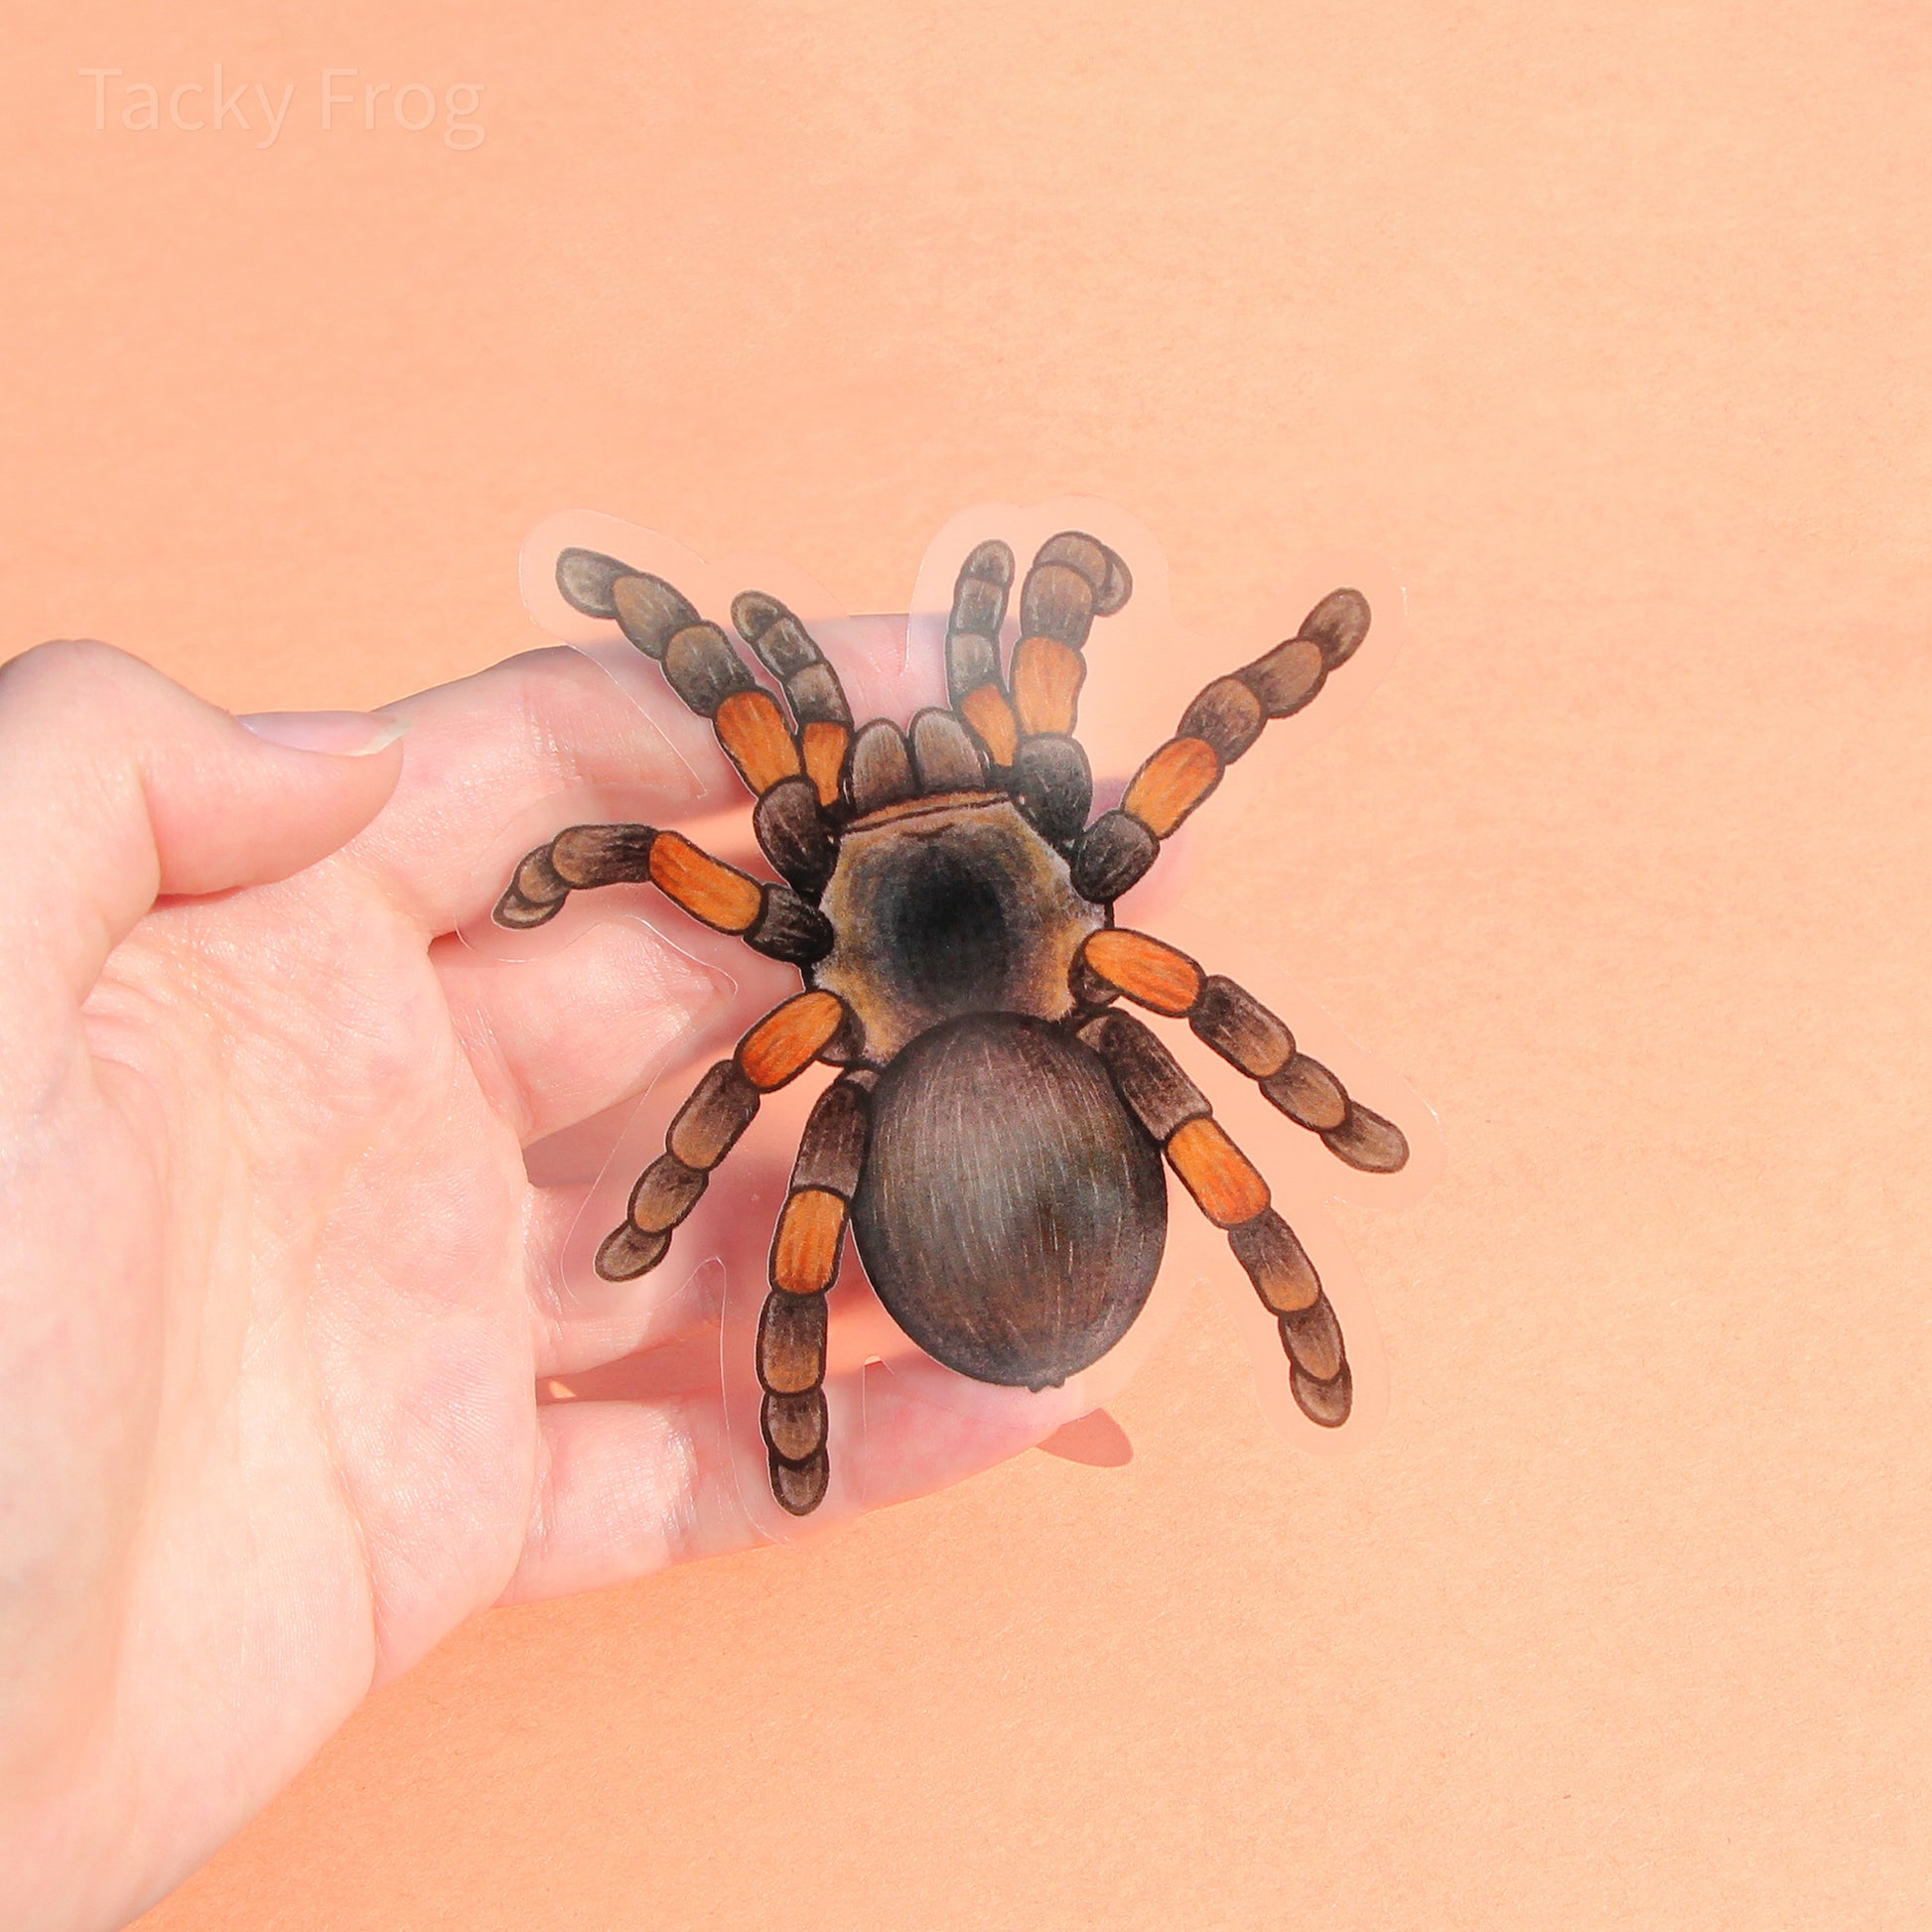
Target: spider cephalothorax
(995,1136)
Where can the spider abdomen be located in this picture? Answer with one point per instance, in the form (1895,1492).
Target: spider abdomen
(1010,1214)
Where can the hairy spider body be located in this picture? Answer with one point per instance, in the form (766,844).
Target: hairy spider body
(1010,1213)
(995,1133)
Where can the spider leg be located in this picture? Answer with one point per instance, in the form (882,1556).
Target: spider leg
(769,918)
(806,1252)
(1028,732)
(974,686)
(1072,580)
(704,1130)
(1232,1195)
(811,687)
(1221,723)
(704,668)
(1245,1033)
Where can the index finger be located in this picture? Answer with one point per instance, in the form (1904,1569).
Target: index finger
(486,751)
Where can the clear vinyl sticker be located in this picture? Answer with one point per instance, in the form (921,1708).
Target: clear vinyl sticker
(983,1086)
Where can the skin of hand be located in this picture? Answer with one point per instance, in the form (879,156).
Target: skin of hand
(276,1290)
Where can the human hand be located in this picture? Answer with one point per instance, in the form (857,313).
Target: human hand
(276,1292)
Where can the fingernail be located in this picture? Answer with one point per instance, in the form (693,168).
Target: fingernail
(343,734)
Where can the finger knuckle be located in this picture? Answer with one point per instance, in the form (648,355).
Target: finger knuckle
(66,672)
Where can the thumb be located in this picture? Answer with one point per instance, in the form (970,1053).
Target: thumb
(117,786)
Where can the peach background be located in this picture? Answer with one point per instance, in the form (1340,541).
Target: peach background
(1608,328)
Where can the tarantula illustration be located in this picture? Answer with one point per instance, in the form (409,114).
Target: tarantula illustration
(996,1134)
